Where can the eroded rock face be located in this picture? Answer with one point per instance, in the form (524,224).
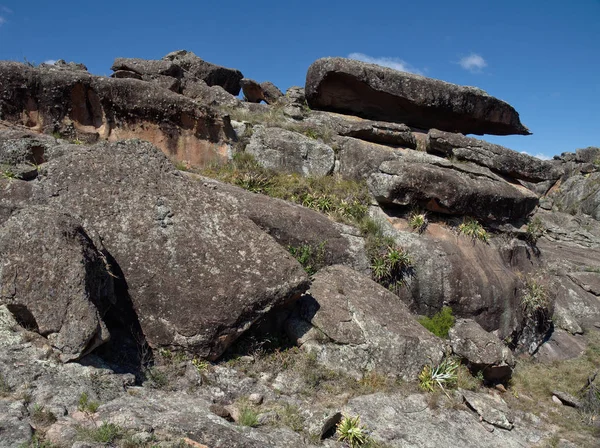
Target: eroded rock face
(177,245)
(211,74)
(460,190)
(265,91)
(54,280)
(482,350)
(579,193)
(355,325)
(380,93)
(498,158)
(86,107)
(289,151)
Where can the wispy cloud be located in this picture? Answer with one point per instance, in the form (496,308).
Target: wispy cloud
(50,61)
(395,63)
(473,63)
(538,155)
(5,9)
(2,20)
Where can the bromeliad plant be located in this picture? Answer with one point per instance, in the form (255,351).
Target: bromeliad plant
(352,432)
(444,375)
(471,227)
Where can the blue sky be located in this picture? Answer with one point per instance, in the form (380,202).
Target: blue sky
(543,57)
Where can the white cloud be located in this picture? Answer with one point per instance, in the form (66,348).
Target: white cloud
(395,63)
(473,63)
(539,155)
(2,20)
(5,9)
(50,62)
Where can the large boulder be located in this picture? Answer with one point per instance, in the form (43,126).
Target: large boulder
(355,325)
(81,106)
(380,93)
(147,67)
(174,245)
(265,91)
(483,351)
(579,194)
(64,289)
(211,74)
(458,189)
(290,151)
(498,158)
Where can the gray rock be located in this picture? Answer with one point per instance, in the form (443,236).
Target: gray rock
(483,351)
(284,150)
(406,421)
(191,242)
(380,93)
(147,67)
(498,158)
(358,159)
(459,191)
(490,407)
(211,74)
(579,194)
(61,64)
(271,92)
(265,91)
(364,326)
(64,290)
(567,399)
(14,427)
(561,346)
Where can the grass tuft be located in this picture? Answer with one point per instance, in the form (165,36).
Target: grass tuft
(440,323)
(471,228)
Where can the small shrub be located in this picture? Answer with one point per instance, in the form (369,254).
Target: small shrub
(156,377)
(86,405)
(290,417)
(417,221)
(310,257)
(535,230)
(443,376)
(38,441)
(42,417)
(471,228)
(248,417)
(352,432)
(200,365)
(440,323)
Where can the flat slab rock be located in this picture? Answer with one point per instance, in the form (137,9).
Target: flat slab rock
(451,189)
(381,93)
(491,408)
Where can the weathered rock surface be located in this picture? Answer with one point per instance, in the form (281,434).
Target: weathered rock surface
(147,67)
(560,346)
(461,190)
(498,158)
(265,91)
(63,291)
(491,408)
(289,151)
(579,194)
(355,325)
(359,159)
(408,422)
(293,225)
(175,245)
(380,93)
(211,74)
(482,350)
(79,105)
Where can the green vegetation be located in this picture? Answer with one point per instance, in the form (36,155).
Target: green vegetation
(471,228)
(37,441)
(7,172)
(200,365)
(352,432)
(41,416)
(156,377)
(310,257)
(418,221)
(248,417)
(440,323)
(105,433)
(444,376)
(86,405)
(535,297)
(535,230)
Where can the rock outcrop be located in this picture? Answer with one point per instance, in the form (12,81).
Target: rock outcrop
(80,106)
(380,93)
(355,325)
(265,91)
(54,280)
(289,151)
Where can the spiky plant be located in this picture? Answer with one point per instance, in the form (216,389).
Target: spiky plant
(352,432)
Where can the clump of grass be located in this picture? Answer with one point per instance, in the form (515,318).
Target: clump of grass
(41,416)
(417,221)
(38,441)
(344,200)
(200,365)
(534,297)
(105,433)
(350,431)
(535,230)
(466,380)
(86,405)
(440,323)
(156,377)
(312,258)
(444,375)
(472,228)
(248,417)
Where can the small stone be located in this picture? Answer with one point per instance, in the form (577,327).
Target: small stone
(142,437)
(556,399)
(256,399)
